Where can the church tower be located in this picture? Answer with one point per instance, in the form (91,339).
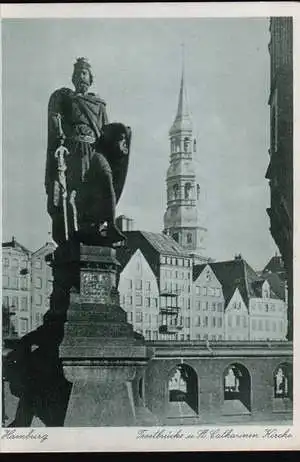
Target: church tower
(181,219)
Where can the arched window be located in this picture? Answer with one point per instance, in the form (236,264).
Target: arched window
(198,191)
(195,145)
(186,144)
(266,290)
(283,381)
(175,191)
(183,386)
(187,191)
(237,387)
(189,238)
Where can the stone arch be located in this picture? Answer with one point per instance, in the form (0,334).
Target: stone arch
(237,385)
(175,191)
(183,386)
(189,238)
(188,191)
(283,381)
(186,144)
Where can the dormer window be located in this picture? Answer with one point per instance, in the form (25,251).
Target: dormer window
(266,290)
(208,275)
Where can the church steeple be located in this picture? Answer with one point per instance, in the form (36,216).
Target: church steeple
(183,119)
(181,219)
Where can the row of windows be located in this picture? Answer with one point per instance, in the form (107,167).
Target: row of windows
(15,303)
(138,284)
(139,300)
(185,144)
(236,305)
(15,282)
(175,287)
(176,261)
(16,263)
(21,303)
(211,291)
(205,306)
(175,274)
(258,324)
(143,317)
(213,321)
(261,306)
(209,337)
(184,192)
(237,321)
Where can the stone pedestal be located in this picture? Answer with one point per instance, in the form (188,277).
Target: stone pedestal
(100,355)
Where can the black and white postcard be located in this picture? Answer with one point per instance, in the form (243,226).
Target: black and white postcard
(149,227)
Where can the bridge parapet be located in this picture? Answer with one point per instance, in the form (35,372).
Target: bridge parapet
(166,348)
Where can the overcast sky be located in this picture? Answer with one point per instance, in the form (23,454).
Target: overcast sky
(137,66)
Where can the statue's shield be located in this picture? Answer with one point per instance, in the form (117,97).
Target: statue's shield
(114,144)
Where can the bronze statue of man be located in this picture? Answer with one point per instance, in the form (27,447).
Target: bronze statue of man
(87,160)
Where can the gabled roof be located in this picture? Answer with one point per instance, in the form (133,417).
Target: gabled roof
(16,245)
(238,274)
(164,244)
(275,265)
(277,285)
(234,274)
(46,248)
(197,270)
(152,245)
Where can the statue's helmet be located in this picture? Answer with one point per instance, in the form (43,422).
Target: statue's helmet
(82,63)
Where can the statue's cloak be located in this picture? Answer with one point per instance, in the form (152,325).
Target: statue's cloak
(84,115)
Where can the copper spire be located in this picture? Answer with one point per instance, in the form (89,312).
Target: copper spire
(182,119)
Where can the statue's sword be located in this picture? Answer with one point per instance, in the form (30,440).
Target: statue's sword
(60,154)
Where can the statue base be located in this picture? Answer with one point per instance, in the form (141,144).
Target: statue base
(100,354)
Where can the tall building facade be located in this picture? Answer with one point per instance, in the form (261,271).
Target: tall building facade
(168,297)
(41,283)
(139,296)
(163,294)
(182,218)
(16,285)
(208,305)
(280,169)
(26,285)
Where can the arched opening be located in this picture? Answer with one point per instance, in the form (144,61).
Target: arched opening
(141,388)
(195,145)
(237,389)
(183,391)
(283,381)
(186,144)
(187,191)
(175,191)
(198,191)
(189,238)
